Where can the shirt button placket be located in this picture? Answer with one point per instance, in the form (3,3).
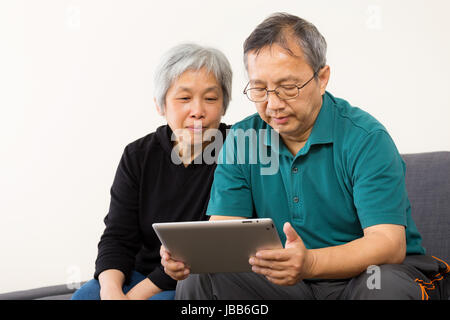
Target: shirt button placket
(296,186)
(294,171)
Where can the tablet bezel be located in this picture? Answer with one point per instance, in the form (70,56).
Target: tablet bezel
(219,245)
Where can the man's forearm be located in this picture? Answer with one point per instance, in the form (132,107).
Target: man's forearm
(215,218)
(351,259)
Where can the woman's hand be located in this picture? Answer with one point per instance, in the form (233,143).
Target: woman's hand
(143,290)
(177,270)
(112,293)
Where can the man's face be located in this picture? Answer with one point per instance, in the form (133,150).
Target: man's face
(274,66)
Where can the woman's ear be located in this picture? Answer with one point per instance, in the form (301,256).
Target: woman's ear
(158,108)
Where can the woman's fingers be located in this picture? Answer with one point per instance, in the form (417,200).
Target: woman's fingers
(175,269)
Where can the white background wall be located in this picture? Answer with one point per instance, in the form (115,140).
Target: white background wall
(76,87)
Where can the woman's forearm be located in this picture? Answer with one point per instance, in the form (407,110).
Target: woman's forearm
(143,290)
(111,280)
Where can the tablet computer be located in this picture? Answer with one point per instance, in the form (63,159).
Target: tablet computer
(217,246)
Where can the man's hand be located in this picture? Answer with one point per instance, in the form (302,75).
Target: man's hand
(285,266)
(177,270)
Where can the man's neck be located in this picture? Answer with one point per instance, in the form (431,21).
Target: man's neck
(294,145)
(297,140)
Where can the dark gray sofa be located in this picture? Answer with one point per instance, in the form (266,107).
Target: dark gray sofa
(428,185)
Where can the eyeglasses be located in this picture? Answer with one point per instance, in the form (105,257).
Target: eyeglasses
(284,92)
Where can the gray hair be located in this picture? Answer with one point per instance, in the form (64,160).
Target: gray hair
(276,28)
(189,56)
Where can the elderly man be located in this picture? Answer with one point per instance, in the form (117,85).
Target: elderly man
(338,197)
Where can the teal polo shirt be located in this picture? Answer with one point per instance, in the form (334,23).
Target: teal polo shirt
(348,176)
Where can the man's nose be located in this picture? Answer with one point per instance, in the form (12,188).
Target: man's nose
(274,102)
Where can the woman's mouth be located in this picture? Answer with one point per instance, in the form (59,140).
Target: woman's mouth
(196,129)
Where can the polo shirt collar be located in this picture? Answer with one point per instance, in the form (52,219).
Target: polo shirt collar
(322,132)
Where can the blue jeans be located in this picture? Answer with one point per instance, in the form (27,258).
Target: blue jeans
(91,289)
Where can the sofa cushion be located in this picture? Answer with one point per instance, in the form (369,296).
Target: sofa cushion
(428,186)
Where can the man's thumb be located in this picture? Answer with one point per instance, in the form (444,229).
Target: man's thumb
(291,234)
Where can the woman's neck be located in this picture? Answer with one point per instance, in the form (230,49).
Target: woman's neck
(188,152)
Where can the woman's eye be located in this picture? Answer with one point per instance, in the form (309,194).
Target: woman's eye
(183,98)
(211,99)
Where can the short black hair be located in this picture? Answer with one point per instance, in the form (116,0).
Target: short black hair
(275,29)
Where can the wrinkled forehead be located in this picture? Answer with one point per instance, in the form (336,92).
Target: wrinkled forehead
(277,64)
(286,41)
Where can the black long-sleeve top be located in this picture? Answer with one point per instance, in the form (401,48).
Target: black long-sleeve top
(149,187)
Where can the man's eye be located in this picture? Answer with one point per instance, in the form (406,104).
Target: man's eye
(183,98)
(211,99)
(288,86)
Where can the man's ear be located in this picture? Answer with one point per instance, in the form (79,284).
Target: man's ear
(324,76)
(158,107)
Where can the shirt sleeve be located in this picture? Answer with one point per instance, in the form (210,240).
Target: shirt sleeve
(230,193)
(161,279)
(121,239)
(378,178)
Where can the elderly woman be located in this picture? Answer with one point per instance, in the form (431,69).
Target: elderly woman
(161,177)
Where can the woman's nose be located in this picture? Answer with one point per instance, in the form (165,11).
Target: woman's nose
(197,109)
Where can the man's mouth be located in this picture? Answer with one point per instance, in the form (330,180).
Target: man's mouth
(280,120)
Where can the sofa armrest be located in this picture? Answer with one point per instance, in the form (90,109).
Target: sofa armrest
(58,292)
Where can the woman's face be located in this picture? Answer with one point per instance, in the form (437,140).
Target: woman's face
(194,104)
